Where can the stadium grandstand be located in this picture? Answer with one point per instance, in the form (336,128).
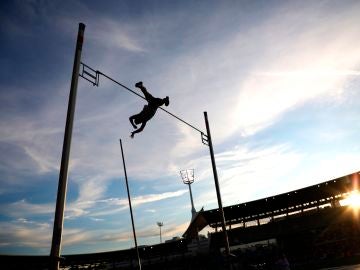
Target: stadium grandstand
(310,228)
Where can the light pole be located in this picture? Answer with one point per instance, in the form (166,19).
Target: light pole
(160,224)
(188,178)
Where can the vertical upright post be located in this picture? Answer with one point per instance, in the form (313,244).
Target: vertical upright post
(193,211)
(160,224)
(160,235)
(131,213)
(222,217)
(63,175)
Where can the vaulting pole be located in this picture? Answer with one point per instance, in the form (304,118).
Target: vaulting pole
(131,213)
(222,217)
(63,175)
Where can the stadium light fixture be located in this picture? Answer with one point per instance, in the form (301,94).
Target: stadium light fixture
(160,224)
(188,178)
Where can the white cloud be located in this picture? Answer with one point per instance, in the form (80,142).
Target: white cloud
(44,165)
(29,143)
(76,236)
(26,233)
(312,65)
(25,209)
(115,205)
(249,173)
(172,230)
(103,207)
(327,167)
(79,208)
(150,231)
(97,219)
(113,34)
(157,197)
(312,60)
(23,232)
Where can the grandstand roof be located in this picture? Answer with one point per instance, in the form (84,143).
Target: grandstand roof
(291,201)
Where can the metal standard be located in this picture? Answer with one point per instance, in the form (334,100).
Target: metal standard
(131,213)
(63,176)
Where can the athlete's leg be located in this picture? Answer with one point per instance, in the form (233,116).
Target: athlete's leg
(132,119)
(143,89)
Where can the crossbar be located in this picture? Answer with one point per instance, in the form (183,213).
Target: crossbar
(97,79)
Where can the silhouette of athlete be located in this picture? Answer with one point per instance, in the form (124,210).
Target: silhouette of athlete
(148,111)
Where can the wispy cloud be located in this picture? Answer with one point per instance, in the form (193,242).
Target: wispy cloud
(75,236)
(172,230)
(306,74)
(157,197)
(150,231)
(79,208)
(23,232)
(249,172)
(115,205)
(26,232)
(107,33)
(312,64)
(113,34)
(22,208)
(309,66)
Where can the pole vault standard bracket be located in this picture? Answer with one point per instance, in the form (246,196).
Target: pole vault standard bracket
(89,74)
(204,139)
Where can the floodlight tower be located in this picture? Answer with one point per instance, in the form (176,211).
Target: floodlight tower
(188,178)
(160,224)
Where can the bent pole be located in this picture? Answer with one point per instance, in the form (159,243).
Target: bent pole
(63,175)
(222,217)
(131,213)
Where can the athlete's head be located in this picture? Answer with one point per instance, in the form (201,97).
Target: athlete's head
(166,101)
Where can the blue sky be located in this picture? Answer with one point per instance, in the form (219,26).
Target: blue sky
(279,80)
